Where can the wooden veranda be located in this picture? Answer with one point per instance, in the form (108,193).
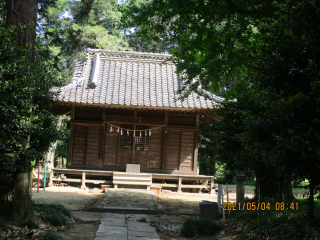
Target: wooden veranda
(176,181)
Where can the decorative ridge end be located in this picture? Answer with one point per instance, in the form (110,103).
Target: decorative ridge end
(129,54)
(95,70)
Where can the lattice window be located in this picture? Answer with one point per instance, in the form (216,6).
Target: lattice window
(126,141)
(141,142)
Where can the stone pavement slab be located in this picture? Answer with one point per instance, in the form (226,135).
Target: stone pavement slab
(138,218)
(128,201)
(143,234)
(125,226)
(114,237)
(140,227)
(114,222)
(87,216)
(112,215)
(143,238)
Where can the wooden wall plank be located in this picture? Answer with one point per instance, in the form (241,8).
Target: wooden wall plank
(93,146)
(173,149)
(78,146)
(187,151)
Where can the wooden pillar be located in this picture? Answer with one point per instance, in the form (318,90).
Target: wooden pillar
(70,158)
(164,148)
(164,143)
(83,185)
(211,186)
(179,184)
(102,140)
(195,153)
(50,184)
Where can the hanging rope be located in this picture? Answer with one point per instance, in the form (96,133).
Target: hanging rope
(130,130)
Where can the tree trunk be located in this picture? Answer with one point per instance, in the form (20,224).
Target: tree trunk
(311,199)
(278,190)
(17,199)
(23,12)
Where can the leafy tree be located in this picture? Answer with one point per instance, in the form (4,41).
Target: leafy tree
(71,26)
(275,118)
(264,54)
(62,147)
(288,78)
(132,29)
(24,103)
(211,38)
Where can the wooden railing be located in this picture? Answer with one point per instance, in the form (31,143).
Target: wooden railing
(124,178)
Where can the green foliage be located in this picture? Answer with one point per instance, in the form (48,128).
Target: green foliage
(32,224)
(52,209)
(88,24)
(199,227)
(3,223)
(51,236)
(24,104)
(62,148)
(210,40)
(280,224)
(55,214)
(56,220)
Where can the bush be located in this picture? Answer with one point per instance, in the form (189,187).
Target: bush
(3,223)
(56,220)
(55,214)
(32,224)
(199,227)
(52,209)
(51,236)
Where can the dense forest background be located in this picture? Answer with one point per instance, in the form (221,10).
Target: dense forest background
(262,56)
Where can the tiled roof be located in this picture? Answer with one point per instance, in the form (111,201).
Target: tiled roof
(129,79)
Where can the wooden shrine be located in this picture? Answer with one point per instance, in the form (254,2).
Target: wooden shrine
(125,109)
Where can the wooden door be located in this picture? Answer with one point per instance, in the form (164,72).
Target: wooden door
(111,146)
(125,146)
(133,147)
(140,151)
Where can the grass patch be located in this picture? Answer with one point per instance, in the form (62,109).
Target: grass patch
(52,209)
(199,227)
(55,214)
(56,220)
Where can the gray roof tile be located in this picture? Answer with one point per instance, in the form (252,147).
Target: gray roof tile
(130,79)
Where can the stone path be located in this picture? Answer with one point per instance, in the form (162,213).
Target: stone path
(128,200)
(120,226)
(115,226)
(117,222)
